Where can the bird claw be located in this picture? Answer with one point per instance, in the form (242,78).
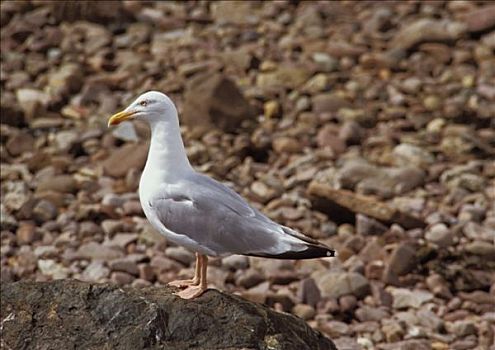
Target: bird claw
(183,283)
(191,292)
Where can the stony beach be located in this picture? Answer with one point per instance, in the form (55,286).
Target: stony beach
(369,126)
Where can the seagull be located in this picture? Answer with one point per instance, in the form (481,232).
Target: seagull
(197,212)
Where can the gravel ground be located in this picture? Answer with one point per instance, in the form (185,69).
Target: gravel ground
(367,125)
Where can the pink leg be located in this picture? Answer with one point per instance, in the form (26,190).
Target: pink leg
(194,291)
(189,282)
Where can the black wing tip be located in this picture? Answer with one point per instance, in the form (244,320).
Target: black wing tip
(312,252)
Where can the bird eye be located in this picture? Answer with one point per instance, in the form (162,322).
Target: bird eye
(143,103)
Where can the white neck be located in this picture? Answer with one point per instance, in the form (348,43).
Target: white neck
(167,157)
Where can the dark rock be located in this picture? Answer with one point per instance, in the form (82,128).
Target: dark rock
(59,183)
(26,233)
(236,262)
(250,278)
(101,11)
(402,260)
(44,211)
(351,132)
(368,226)
(329,103)
(20,143)
(72,314)
(124,265)
(121,278)
(146,272)
(10,110)
(212,100)
(308,292)
(347,303)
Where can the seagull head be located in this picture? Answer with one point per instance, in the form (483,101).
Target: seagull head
(150,106)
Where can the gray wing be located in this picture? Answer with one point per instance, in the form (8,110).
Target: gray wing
(218,219)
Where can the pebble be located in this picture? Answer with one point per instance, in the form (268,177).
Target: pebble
(351,133)
(440,235)
(249,278)
(461,328)
(19,143)
(304,311)
(96,251)
(66,139)
(146,272)
(401,261)
(424,30)
(407,154)
(429,320)
(26,233)
(335,329)
(349,343)
(405,298)
(480,19)
(393,331)
(88,229)
(46,252)
(95,271)
(334,284)
(236,262)
(347,303)
(124,265)
(286,145)
(112,200)
(125,131)
(121,240)
(367,313)
(44,211)
(161,264)
(111,227)
(51,268)
(121,278)
(464,344)
(481,248)
(438,286)
(368,226)
(309,292)
(133,208)
(181,255)
(134,155)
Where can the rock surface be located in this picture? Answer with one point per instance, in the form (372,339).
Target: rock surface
(72,314)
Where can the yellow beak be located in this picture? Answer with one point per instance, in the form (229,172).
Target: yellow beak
(120,117)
